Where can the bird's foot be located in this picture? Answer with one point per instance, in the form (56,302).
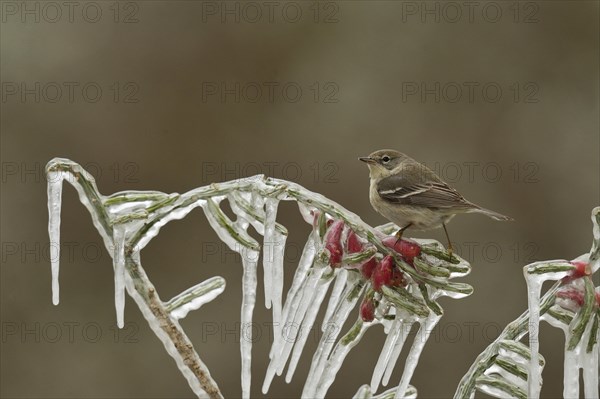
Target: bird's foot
(450,251)
(398,236)
(400,232)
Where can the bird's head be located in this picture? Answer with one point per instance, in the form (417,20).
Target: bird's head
(381,163)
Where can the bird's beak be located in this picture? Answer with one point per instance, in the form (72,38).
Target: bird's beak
(367,159)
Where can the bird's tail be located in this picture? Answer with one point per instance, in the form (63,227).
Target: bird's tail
(492,214)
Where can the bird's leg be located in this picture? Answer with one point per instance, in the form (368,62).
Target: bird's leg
(448,238)
(400,232)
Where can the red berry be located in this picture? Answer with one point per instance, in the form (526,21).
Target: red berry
(367,309)
(382,275)
(398,279)
(408,249)
(368,267)
(580,269)
(571,294)
(333,243)
(353,243)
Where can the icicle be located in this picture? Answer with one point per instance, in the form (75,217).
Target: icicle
(589,364)
(248,248)
(119,233)
(349,341)
(195,297)
(571,375)
(338,287)
(269,251)
(55,180)
(594,256)
(404,330)
(348,300)
(415,352)
(534,287)
(273,253)
(364,392)
(589,357)
(249,281)
(308,322)
(306,261)
(385,354)
(301,302)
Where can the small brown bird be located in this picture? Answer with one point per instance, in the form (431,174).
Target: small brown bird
(409,194)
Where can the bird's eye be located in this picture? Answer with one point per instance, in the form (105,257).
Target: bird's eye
(385,159)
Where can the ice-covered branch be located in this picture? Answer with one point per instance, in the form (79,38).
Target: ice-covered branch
(509,368)
(399,281)
(136,281)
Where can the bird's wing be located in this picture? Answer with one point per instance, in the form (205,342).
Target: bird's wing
(430,194)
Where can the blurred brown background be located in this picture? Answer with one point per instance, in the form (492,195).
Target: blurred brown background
(174,95)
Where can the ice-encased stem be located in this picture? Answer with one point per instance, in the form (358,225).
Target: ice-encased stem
(138,285)
(195,297)
(514,331)
(168,330)
(535,275)
(55,182)
(364,392)
(176,206)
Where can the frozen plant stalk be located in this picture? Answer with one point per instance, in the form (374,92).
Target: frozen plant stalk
(394,283)
(128,220)
(510,368)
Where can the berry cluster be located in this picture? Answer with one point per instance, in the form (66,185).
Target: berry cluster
(572,292)
(342,244)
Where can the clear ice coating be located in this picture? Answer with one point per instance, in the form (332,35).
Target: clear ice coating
(195,297)
(249,283)
(119,233)
(415,352)
(55,182)
(386,352)
(128,220)
(273,253)
(345,305)
(534,287)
